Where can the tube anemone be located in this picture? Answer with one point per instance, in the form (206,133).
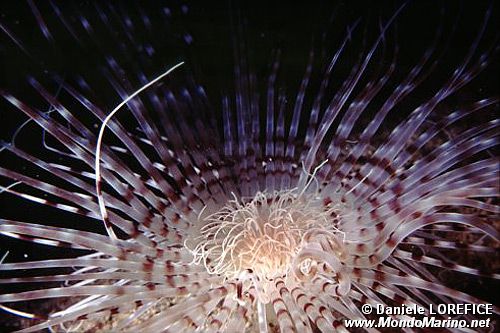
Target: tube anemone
(281,202)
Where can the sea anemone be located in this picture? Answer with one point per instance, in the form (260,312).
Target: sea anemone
(150,204)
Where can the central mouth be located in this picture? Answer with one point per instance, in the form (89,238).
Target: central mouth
(283,234)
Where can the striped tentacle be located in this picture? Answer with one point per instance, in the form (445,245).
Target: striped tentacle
(439,192)
(270,168)
(414,295)
(363,256)
(392,211)
(161,321)
(297,314)
(370,277)
(167,268)
(156,224)
(88,240)
(151,132)
(402,133)
(193,319)
(443,262)
(218,319)
(424,240)
(61,133)
(315,110)
(394,295)
(446,155)
(341,97)
(414,78)
(201,173)
(291,146)
(316,312)
(279,149)
(106,289)
(283,316)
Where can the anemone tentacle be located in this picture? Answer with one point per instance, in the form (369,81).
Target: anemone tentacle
(279,205)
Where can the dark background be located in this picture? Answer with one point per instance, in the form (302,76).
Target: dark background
(203,34)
